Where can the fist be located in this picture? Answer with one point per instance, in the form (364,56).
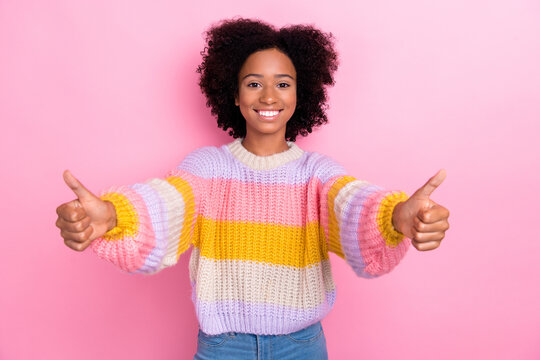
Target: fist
(84,219)
(421,219)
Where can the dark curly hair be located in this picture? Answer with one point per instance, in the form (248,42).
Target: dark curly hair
(230,42)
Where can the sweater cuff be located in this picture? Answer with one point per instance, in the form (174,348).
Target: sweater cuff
(391,236)
(126,217)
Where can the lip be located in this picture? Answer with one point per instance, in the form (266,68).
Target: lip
(268,117)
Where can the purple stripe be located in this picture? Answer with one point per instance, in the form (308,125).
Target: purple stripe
(261,319)
(224,165)
(349,232)
(158,216)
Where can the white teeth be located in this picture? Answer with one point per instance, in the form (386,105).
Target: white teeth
(268,113)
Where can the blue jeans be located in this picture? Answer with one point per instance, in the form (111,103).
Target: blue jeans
(308,343)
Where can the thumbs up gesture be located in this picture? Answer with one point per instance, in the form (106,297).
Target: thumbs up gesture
(421,219)
(84,219)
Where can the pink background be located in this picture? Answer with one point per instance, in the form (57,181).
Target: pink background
(108,89)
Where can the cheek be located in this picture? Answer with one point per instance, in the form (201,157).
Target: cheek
(291,101)
(245,99)
(244,106)
(293,96)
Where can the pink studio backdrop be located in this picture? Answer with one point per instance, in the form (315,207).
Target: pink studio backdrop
(108,89)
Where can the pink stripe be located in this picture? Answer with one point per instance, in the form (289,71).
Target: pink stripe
(324,220)
(378,257)
(130,253)
(284,204)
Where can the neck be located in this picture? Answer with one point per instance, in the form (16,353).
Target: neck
(265,145)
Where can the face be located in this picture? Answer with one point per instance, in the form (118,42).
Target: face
(267,92)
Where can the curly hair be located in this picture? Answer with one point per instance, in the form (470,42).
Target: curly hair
(230,42)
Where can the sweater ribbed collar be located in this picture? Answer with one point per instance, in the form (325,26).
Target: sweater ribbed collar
(257,162)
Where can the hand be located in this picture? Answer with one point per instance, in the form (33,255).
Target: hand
(421,219)
(84,219)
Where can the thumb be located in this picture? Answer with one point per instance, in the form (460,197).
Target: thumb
(78,188)
(428,188)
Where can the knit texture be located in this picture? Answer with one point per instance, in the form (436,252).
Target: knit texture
(261,228)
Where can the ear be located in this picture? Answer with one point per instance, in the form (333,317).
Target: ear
(236,99)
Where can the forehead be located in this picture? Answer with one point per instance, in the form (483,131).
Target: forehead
(269,61)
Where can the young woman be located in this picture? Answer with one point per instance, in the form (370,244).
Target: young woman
(261,213)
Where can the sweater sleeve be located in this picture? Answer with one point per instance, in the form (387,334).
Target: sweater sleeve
(156,220)
(356,218)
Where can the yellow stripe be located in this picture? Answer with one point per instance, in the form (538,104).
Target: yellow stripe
(297,246)
(127,221)
(334,242)
(186,236)
(384,218)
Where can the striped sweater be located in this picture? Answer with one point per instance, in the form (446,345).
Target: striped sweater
(261,228)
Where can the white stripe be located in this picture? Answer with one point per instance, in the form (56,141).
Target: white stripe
(344,196)
(175,205)
(254,282)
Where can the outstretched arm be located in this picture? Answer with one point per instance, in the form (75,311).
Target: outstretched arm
(141,228)
(372,228)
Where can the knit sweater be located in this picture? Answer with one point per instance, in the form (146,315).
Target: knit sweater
(261,228)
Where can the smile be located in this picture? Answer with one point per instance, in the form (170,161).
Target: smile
(268,114)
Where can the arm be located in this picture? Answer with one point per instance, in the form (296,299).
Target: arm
(357,219)
(155,222)
(372,229)
(360,225)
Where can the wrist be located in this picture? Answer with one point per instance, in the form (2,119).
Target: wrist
(111,224)
(396,217)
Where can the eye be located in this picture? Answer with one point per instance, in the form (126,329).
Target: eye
(283,85)
(253,84)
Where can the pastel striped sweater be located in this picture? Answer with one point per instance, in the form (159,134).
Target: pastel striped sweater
(261,228)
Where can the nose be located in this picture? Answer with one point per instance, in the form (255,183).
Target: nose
(268,96)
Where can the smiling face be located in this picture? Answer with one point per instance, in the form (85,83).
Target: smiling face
(267,93)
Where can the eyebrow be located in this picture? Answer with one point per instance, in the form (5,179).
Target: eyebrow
(261,76)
